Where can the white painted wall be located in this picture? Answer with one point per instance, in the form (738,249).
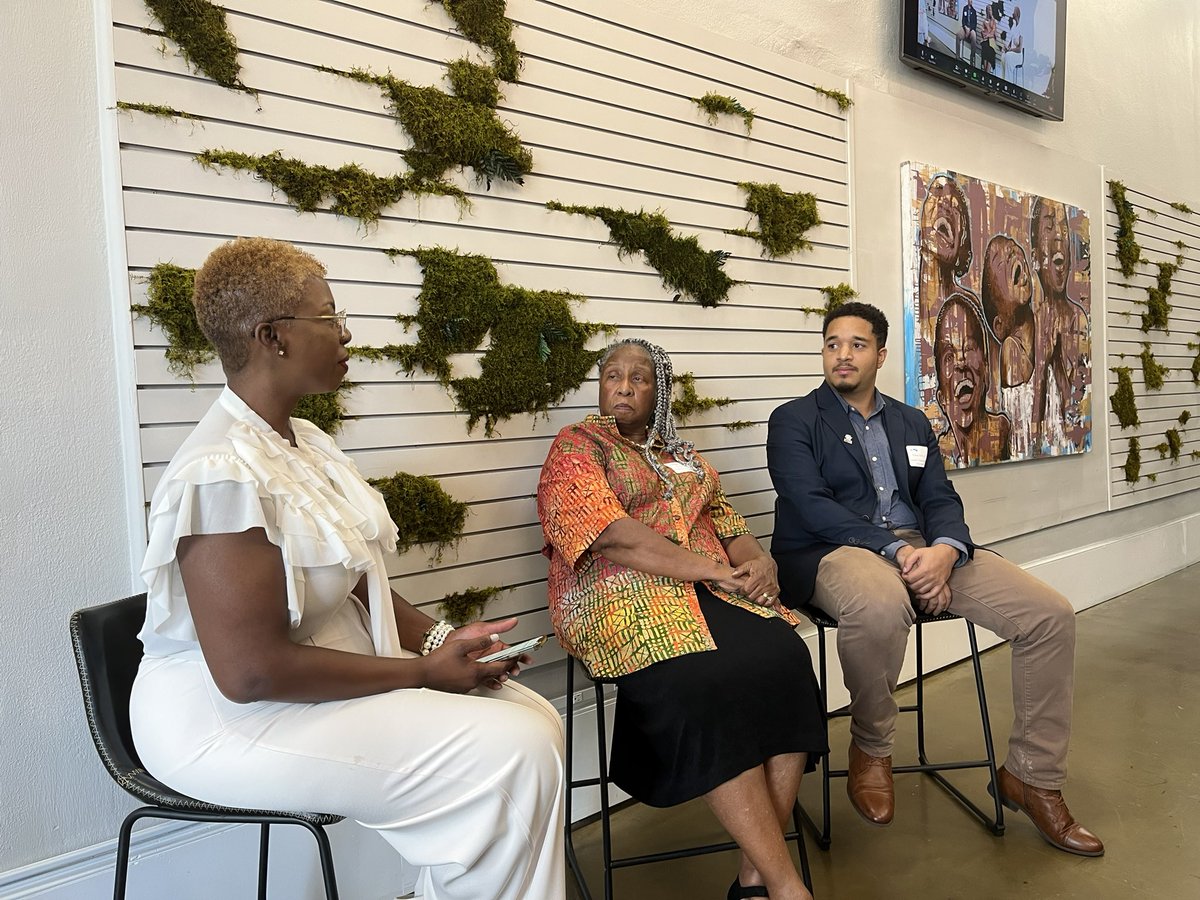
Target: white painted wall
(1132,72)
(1131,105)
(64,533)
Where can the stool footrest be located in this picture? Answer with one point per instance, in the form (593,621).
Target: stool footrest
(994,823)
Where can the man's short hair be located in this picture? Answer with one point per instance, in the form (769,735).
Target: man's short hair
(873,314)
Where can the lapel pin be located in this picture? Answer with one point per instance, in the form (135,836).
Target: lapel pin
(847,439)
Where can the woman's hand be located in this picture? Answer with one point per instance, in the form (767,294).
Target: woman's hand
(755,571)
(453,667)
(475,630)
(727,579)
(760,578)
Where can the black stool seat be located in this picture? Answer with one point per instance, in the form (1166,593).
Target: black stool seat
(107,654)
(993,822)
(602,782)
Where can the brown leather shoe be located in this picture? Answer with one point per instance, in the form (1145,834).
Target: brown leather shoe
(869,785)
(1049,814)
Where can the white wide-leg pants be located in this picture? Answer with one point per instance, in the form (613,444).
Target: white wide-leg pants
(470,786)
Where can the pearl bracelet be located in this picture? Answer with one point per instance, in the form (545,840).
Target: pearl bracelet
(435,636)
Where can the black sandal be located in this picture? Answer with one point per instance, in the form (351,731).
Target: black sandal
(737,892)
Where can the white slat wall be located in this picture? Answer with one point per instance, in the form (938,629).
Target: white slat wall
(1157,230)
(603,103)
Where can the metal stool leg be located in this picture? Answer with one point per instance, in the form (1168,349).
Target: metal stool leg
(801,848)
(921,756)
(264,849)
(605,811)
(325,852)
(569,772)
(121,875)
(934,770)
(997,824)
(820,835)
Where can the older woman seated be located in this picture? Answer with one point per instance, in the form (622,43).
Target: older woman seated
(280,670)
(656,583)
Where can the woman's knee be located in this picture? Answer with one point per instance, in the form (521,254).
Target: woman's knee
(531,736)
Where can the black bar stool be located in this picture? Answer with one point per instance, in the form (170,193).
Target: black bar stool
(107,654)
(602,781)
(994,823)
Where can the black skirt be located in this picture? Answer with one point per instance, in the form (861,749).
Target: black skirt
(687,725)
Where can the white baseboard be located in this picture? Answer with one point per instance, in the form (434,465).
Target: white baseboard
(198,862)
(1109,568)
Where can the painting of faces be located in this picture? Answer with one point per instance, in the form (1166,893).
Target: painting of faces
(997,318)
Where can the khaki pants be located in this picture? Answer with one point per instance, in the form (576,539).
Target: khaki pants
(865,593)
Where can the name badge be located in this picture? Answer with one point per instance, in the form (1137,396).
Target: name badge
(917,454)
(681,468)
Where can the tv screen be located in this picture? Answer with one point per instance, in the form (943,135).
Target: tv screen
(1014,52)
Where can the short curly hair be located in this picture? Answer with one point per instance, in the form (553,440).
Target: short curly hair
(244,282)
(872,314)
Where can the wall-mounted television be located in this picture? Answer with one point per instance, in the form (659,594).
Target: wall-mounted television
(1013,51)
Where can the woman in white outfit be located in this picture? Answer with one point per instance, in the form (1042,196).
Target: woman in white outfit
(280,670)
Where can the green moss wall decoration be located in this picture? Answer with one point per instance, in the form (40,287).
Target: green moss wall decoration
(473,83)
(467,606)
(484,22)
(740,425)
(1133,462)
(1195,370)
(689,402)
(536,353)
(353,190)
(155,109)
(1123,402)
(715,105)
(1158,304)
(1153,372)
(684,266)
(449,131)
(326,411)
(783,218)
(171,311)
(1129,252)
(422,510)
(843,102)
(1171,446)
(1181,207)
(835,295)
(199,28)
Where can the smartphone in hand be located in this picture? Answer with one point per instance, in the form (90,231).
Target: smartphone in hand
(515,650)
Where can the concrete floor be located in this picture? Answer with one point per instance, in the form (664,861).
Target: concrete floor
(1135,781)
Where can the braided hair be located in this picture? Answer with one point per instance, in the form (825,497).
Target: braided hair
(660,432)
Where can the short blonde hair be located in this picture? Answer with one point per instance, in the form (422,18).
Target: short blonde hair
(245,282)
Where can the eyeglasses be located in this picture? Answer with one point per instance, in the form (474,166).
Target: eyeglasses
(338,317)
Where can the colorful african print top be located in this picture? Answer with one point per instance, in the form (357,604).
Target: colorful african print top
(616,619)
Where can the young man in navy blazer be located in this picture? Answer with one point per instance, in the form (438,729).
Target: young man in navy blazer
(869,529)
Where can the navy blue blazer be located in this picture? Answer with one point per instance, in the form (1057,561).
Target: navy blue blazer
(825,497)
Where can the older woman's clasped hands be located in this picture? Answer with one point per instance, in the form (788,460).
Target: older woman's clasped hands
(758,581)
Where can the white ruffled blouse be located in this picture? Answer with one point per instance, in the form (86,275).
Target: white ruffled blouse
(234,473)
